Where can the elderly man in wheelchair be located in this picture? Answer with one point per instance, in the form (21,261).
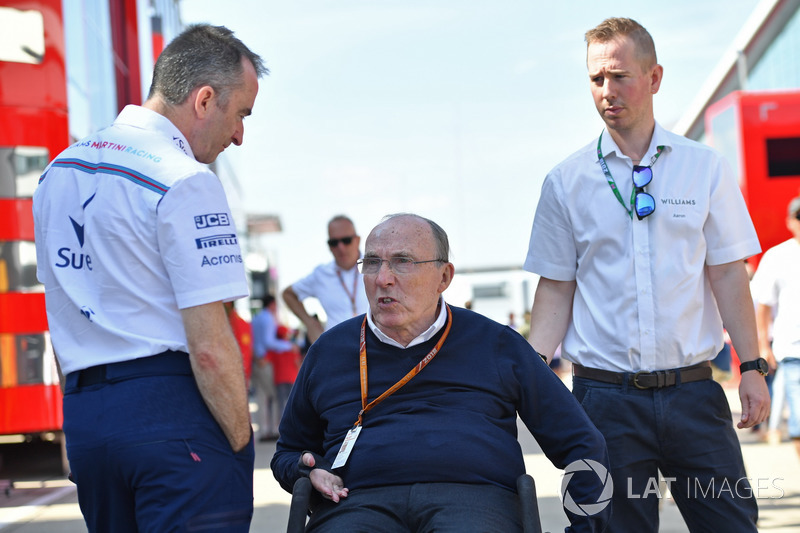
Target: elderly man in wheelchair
(405,419)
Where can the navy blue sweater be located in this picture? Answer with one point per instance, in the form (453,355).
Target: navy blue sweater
(455,422)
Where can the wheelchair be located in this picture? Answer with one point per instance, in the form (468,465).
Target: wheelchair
(526,490)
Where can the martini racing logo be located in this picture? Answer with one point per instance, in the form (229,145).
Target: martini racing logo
(213,241)
(587,508)
(211,220)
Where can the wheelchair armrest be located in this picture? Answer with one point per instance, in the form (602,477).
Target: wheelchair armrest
(298,510)
(529,507)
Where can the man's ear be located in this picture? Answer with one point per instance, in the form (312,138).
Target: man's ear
(447,277)
(656,75)
(203,100)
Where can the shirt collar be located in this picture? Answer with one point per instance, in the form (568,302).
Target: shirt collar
(141,117)
(426,335)
(660,138)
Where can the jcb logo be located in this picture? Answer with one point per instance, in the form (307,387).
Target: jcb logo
(212,219)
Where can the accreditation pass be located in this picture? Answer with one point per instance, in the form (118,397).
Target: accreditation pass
(347,446)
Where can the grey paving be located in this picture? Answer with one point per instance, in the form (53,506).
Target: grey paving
(49,505)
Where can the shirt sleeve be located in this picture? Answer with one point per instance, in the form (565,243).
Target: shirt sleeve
(301,430)
(198,242)
(729,232)
(551,251)
(307,286)
(763,286)
(544,403)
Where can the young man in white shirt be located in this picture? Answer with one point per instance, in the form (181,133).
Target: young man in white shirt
(639,239)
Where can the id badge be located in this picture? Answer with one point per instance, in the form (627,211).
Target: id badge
(347,446)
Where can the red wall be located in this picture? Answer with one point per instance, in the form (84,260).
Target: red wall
(760,117)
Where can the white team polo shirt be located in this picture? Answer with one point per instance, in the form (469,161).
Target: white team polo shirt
(130,229)
(335,292)
(777,284)
(643,301)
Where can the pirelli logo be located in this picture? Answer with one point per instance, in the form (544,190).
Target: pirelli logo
(213,241)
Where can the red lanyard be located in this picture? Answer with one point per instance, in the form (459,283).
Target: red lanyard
(413,372)
(355,288)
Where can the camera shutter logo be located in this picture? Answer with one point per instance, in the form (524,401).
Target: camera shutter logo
(587,509)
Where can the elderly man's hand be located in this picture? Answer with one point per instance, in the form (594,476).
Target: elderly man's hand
(329,485)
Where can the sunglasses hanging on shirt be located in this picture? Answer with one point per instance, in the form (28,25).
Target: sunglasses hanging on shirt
(642,203)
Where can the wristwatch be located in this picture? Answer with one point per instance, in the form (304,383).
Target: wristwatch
(759,364)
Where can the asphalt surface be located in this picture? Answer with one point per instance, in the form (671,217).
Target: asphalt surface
(36,498)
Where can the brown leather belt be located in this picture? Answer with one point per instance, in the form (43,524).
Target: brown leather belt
(646,380)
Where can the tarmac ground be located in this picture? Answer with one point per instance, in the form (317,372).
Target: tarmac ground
(35,497)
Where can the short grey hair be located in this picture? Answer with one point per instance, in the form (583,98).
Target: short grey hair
(202,55)
(439,235)
(341,218)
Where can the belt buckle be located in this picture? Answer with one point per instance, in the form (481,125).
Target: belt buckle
(636,380)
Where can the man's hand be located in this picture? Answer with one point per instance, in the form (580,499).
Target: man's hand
(754,395)
(731,287)
(329,485)
(312,324)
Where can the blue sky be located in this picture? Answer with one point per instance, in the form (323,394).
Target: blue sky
(453,109)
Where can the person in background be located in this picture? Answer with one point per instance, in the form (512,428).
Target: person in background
(432,420)
(285,365)
(525,328)
(512,321)
(265,342)
(639,239)
(776,288)
(131,228)
(243,333)
(337,285)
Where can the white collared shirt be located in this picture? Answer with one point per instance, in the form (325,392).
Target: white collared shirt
(426,335)
(334,293)
(776,283)
(643,300)
(130,229)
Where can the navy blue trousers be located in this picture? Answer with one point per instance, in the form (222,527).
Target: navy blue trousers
(686,432)
(147,456)
(421,508)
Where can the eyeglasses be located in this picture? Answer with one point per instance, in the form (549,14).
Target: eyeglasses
(643,203)
(398,265)
(333,243)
